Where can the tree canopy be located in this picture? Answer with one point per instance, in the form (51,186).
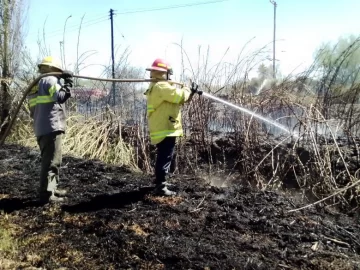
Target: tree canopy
(341,61)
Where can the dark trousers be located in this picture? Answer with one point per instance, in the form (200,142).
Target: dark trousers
(50,147)
(165,153)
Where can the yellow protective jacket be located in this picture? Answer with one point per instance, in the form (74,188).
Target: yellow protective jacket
(164,110)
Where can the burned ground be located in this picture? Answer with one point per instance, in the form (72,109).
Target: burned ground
(112,221)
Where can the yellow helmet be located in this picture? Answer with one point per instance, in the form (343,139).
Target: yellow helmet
(51,62)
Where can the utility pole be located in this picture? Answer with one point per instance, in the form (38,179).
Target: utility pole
(275,5)
(112,53)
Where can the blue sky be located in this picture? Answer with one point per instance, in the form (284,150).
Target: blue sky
(302,26)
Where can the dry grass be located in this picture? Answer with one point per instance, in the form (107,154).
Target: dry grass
(152,266)
(39,239)
(88,138)
(172,201)
(73,256)
(77,220)
(95,140)
(315,107)
(137,229)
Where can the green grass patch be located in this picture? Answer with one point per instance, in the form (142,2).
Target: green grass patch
(8,243)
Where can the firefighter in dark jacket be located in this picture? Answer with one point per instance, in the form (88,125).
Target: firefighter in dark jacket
(47,108)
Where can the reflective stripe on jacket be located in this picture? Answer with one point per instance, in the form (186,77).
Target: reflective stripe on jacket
(164,110)
(46,106)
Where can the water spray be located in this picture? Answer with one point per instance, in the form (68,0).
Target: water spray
(250,113)
(261,87)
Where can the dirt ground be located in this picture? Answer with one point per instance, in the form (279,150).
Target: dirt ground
(112,221)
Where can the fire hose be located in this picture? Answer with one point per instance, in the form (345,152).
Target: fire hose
(251,113)
(28,89)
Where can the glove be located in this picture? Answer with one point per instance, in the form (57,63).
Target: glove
(66,74)
(66,88)
(68,82)
(68,78)
(194,89)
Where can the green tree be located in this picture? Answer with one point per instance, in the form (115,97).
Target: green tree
(11,41)
(264,72)
(340,62)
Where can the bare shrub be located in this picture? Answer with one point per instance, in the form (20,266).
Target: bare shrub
(321,106)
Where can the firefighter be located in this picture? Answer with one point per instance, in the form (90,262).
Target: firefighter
(164,103)
(47,108)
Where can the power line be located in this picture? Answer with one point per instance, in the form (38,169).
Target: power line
(91,19)
(101,19)
(76,26)
(171,7)
(83,24)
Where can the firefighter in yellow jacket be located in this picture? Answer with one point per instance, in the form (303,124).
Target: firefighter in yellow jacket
(164,103)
